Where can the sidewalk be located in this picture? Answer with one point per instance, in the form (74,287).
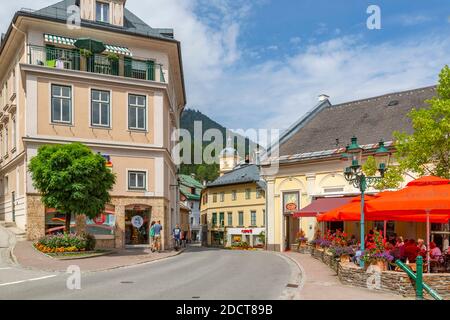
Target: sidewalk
(321,283)
(30,258)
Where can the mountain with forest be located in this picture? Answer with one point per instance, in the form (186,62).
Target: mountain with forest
(206,172)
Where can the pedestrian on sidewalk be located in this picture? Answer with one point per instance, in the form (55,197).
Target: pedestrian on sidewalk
(157,227)
(152,236)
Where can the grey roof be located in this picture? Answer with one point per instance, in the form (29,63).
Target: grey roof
(132,23)
(245,173)
(369,120)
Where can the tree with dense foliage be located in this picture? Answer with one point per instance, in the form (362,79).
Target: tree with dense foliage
(427,150)
(392,178)
(72,179)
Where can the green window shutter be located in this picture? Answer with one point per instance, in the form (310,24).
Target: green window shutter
(128,67)
(151,70)
(76,59)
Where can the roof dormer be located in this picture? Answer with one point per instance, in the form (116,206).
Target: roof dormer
(103,11)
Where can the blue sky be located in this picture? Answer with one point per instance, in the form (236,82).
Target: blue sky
(262,63)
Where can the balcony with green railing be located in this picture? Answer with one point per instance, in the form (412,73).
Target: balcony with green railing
(110,64)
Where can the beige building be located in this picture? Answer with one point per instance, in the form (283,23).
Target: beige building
(309,163)
(233,206)
(123,102)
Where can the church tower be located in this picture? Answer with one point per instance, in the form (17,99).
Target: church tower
(229,158)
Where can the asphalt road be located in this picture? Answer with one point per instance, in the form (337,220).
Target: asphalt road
(198,273)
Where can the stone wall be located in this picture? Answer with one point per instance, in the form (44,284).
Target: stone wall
(390,281)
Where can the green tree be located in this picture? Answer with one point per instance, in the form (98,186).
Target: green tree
(72,179)
(392,178)
(427,150)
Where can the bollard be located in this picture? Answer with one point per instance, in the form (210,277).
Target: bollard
(419,278)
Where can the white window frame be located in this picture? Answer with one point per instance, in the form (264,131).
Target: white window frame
(95,125)
(137,108)
(145,172)
(255,215)
(52,121)
(102,18)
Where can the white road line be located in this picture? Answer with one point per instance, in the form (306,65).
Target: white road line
(27,280)
(5,268)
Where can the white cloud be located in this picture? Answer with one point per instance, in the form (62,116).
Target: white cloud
(412,20)
(274,94)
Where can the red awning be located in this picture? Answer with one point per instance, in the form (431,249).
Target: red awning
(322,205)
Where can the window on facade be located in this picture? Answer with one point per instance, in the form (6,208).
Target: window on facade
(248,194)
(214,197)
(253,218)
(6,140)
(137,112)
(222,219)
(61,104)
(259,193)
(222,196)
(14,133)
(6,186)
(100,108)
(102,12)
(230,219)
(137,180)
(214,219)
(241,218)
(205,198)
(333,190)
(234,195)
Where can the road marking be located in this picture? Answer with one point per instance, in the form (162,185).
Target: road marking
(27,280)
(5,268)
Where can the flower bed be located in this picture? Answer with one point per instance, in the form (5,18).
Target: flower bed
(65,243)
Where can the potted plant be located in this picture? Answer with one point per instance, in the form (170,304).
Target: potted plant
(113,57)
(85,53)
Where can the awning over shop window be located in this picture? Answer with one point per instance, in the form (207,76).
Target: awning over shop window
(321,205)
(70,42)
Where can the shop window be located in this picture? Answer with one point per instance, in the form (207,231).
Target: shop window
(55,222)
(102,225)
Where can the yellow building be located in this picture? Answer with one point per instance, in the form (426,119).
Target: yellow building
(307,164)
(233,206)
(123,101)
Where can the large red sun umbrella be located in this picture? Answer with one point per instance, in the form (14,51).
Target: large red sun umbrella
(347,212)
(426,199)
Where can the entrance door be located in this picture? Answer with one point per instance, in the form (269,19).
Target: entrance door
(137,222)
(287,232)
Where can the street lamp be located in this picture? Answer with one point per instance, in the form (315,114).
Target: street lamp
(353,173)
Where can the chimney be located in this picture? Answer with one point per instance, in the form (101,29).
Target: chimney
(323,97)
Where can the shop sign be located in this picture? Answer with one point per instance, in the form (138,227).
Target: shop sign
(137,221)
(290,202)
(100,219)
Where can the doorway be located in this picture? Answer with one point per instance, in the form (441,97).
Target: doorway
(137,222)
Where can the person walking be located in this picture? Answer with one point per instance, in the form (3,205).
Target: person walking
(176,234)
(157,227)
(152,237)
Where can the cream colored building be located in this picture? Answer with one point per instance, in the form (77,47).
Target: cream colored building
(308,162)
(123,103)
(233,206)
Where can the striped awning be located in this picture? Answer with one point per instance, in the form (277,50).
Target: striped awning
(49,38)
